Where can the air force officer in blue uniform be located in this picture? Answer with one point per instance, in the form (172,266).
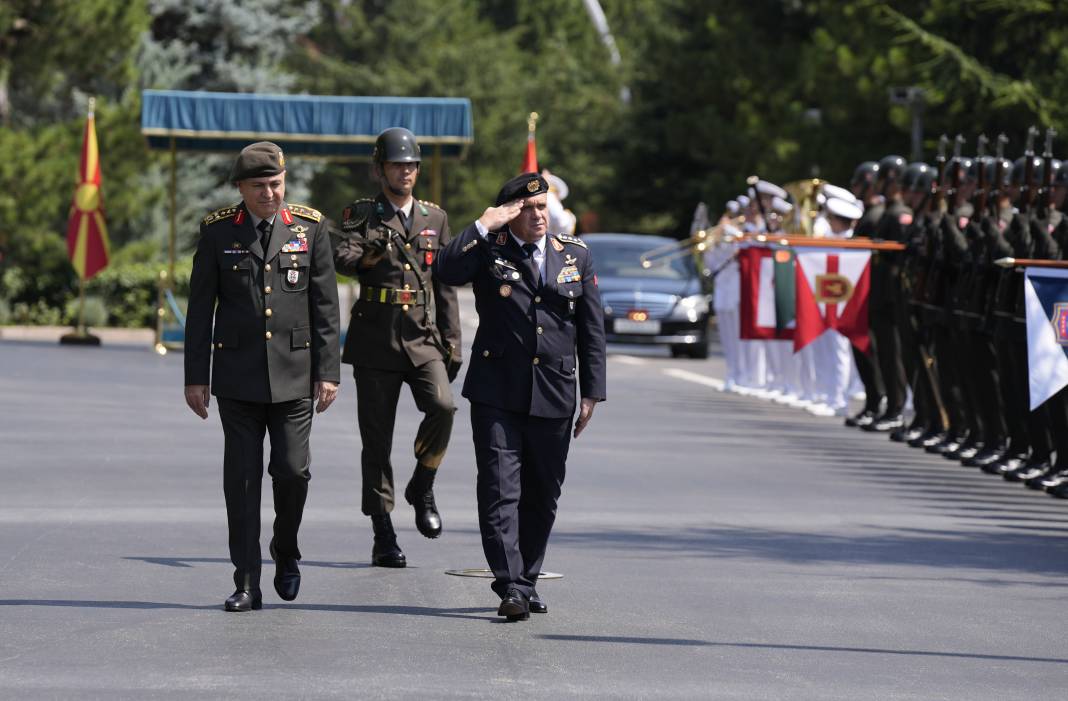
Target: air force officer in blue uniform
(541,326)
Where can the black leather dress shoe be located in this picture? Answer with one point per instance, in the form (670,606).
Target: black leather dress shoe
(420,494)
(1060,491)
(242,600)
(1007,465)
(385,552)
(1046,472)
(514,606)
(1027,471)
(862,419)
(916,441)
(970,451)
(990,453)
(286,575)
(937,443)
(1055,480)
(536,603)
(886,423)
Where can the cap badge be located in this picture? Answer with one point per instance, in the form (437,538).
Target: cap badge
(281,160)
(532,186)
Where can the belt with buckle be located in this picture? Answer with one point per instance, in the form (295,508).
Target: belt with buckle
(388,295)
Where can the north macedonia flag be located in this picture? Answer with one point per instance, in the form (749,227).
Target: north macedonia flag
(87,233)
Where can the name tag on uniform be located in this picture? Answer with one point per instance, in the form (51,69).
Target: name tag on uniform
(569,273)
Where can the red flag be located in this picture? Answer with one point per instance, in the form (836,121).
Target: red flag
(756,265)
(832,293)
(87,232)
(530,160)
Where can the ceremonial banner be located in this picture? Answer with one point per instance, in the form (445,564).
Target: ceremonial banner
(87,233)
(832,293)
(759,296)
(1046,295)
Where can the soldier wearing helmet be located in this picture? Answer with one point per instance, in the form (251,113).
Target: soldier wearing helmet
(405,329)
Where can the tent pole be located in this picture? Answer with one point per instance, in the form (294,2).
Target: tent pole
(174,212)
(435,175)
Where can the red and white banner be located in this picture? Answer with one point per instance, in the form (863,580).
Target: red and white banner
(756,265)
(833,286)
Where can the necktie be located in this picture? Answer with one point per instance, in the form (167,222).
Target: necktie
(265,233)
(532,265)
(404,221)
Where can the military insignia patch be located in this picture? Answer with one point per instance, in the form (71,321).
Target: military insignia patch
(568,238)
(557,246)
(287,218)
(468,246)
(219,215)
(502,238)
(506,290)
(833,288)
(1060,322)
(300,230)
(570,259)
(306,212)
(532,186)
(292,276)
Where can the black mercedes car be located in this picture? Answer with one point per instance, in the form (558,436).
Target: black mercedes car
(666,302)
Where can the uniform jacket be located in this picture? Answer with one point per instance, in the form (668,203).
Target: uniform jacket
(275,313)
(389,336)
(523,358)
(885,288)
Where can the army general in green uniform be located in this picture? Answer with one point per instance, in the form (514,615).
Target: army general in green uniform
(263,323)
(405,329)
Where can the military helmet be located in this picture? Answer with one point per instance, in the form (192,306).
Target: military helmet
(980,162)
(1019,167)
(865,173)
(891,168)
(918,177)
(962,164)
(396,145)
(991,172)
(1060,175)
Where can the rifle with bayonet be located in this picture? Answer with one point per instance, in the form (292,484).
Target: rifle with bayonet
(981,185)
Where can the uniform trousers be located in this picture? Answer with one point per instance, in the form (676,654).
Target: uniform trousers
(244,426)
(521,465)
(884,329)
(377,394)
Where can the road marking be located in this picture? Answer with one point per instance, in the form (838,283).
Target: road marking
(629,359)
(712,382)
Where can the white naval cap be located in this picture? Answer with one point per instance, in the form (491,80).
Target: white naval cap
(844,209)
(766,188)
(743,200)
(733,207)
(557,185)
(833,191)
(781,206)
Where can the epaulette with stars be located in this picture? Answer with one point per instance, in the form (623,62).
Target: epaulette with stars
(428,203)
(220,214)
(306,212)
(568,238)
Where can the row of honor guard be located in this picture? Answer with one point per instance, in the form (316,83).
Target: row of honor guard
(263,338)
(947,324)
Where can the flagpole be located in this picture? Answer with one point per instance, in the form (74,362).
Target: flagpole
(81,335)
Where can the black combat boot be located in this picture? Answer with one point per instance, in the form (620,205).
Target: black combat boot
(386,552)
(420,494)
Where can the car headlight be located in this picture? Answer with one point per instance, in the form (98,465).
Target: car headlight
(690,308)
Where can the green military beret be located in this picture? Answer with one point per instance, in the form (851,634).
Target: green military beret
(525,185)
(259,160)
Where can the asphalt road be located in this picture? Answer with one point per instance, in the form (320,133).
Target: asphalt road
(712,546)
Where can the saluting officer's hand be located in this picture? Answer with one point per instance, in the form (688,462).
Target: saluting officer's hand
(585,414)
(198,397)
(325,393)
(496,217)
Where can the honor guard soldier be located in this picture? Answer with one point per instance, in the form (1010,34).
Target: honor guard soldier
(263,322)
(405,328)
(541,326)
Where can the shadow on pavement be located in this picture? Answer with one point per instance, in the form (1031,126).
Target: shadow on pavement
(806,648)
(185,562)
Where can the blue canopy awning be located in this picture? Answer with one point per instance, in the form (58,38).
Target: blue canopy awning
(315,125)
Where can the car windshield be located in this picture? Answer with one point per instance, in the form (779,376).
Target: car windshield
(617,258)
